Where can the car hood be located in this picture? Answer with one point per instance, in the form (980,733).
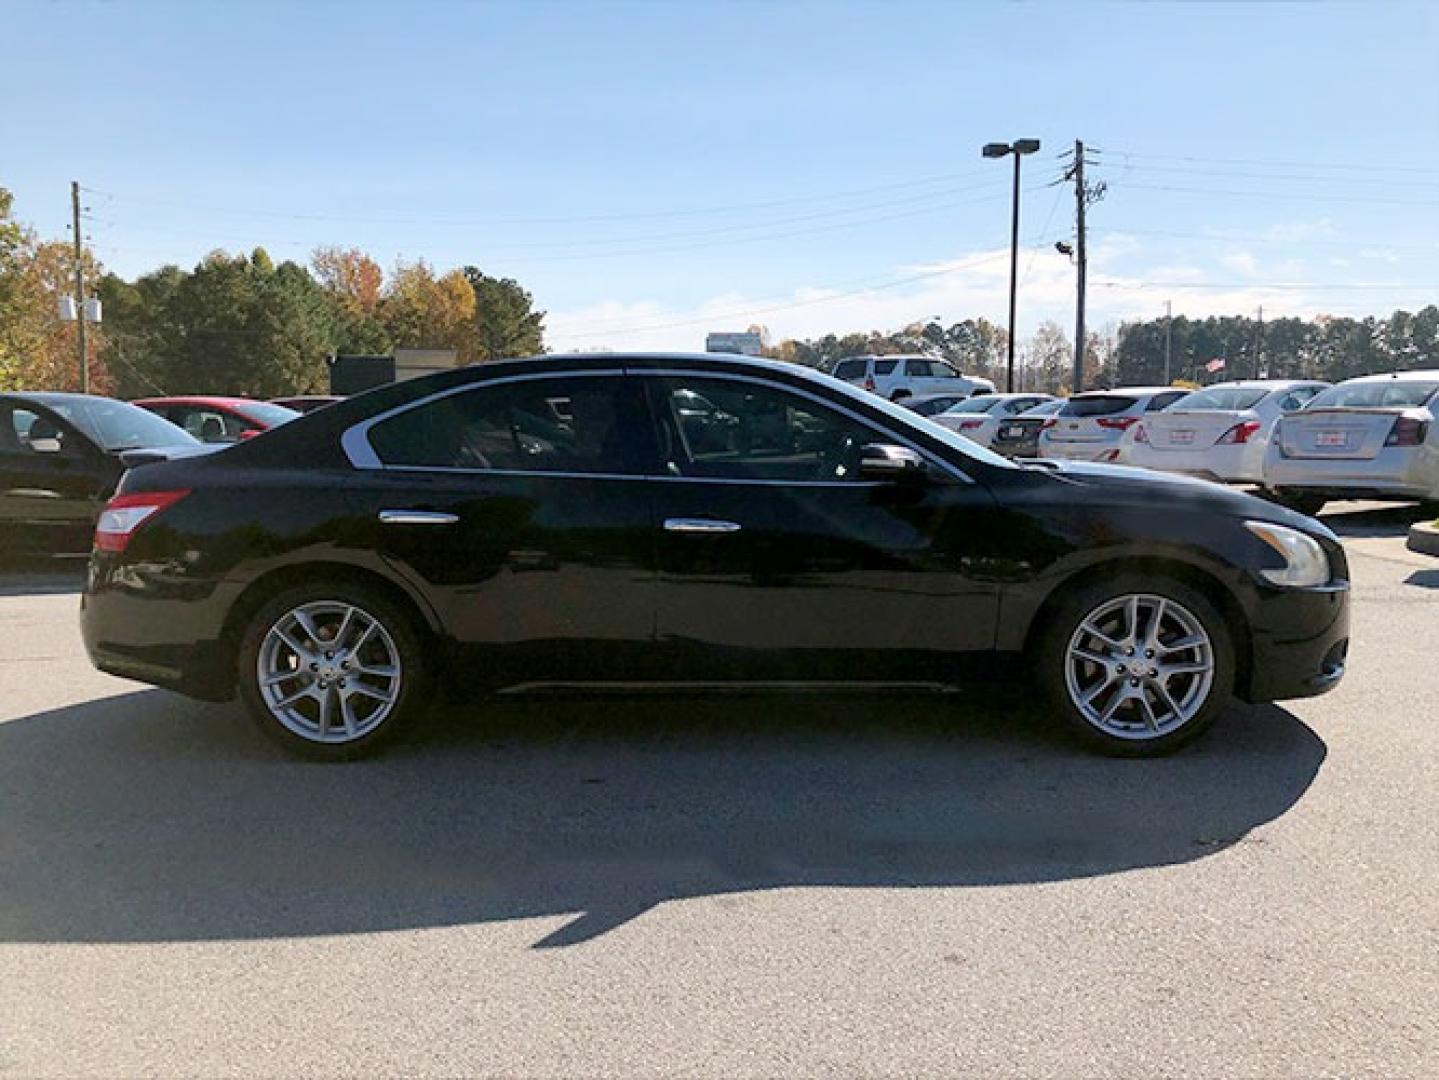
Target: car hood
(133,459)
(1130,486)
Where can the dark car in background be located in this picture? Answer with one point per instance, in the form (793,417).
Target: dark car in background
(214,419)
(1018,436)
(612,519)
(60,458)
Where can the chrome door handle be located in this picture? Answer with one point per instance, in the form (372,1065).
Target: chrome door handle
(418,517)
(700,525)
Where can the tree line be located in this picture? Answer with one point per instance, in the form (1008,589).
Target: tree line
(243,324)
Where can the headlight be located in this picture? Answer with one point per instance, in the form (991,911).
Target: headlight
(1305,563)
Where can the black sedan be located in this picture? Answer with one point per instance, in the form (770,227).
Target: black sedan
(576,520)
(1018,436)
(60,458)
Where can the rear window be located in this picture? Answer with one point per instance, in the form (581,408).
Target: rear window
(929,369)
(1047,409)
(974,404)
(1163,401)
(1229,399)
(1375,395)
(1098,405)
(849,369)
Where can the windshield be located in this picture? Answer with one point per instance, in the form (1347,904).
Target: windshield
(1228,399)
(1375,395)
(983,403)
(266,413)
(118,425)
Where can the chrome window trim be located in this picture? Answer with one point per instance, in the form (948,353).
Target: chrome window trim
(355,440)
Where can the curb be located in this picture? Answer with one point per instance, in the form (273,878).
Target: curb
(1424,539)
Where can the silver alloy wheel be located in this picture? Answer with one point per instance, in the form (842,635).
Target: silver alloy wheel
(1139,666)
(329,671)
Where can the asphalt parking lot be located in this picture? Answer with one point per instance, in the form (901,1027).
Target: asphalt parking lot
(737,886)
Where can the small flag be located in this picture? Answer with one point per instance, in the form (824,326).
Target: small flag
(1214,365)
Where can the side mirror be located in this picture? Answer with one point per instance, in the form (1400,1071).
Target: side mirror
(891,464)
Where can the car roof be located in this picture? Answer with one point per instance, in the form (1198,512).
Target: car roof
(216,401)
(1262,384)
(51,397)
(1396,376)
(1132,391)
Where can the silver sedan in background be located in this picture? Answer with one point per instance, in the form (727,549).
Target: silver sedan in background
(1374,437)
(1218,433)
(978,418)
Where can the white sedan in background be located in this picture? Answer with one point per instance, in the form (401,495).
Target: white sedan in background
(1218,433)
(978,418)
(1092,425)
(1375,437)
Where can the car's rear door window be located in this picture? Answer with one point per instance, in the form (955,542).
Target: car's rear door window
(753,431)
(584,424)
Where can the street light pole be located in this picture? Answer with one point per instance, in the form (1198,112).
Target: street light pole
(1018,148)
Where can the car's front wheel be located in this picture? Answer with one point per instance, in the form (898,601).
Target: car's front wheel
(331,671)
(1138,665)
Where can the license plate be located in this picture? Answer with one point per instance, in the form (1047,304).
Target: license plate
(1331,438)
(1012,431)
(1183,437)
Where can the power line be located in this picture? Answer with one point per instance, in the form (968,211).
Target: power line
(733,315)
(546,220)
(1359,167)
(1278,195)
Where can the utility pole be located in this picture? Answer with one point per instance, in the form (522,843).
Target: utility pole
(80,288)
(1084,194)
(1259,345)
(1168,321)
(1009,387)
(1077,379)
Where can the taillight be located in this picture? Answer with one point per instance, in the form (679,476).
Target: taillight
(1239,433)
(1407,431)
(1118,423)
(124,514)
(1109,456)
(868,382)
(969,425)
(1140,435)
(1049,423)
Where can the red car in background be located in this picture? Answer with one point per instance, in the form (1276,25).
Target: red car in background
(220,419)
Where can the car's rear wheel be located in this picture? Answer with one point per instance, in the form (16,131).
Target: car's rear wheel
(331,671)
(1138,665)
(900,395)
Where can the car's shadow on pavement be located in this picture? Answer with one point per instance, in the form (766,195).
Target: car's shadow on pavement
(1383,519)
(146,817)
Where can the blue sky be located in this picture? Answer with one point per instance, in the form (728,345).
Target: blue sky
(653,171)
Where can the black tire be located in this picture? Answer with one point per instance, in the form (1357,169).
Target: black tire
(900,395)
(399,631)
(1303,502)
(1051,654)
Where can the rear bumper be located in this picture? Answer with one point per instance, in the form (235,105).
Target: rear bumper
(1398,473)
(1299,640)
(1083,451)
(1226,464)
(158,629)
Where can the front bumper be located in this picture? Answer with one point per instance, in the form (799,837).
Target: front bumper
(1299,642)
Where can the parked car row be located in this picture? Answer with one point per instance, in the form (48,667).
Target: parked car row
(1304,441)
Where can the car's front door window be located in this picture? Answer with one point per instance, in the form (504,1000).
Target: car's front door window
(728,429)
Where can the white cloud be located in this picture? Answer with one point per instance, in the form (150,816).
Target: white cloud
(1241,262)
(975,284)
